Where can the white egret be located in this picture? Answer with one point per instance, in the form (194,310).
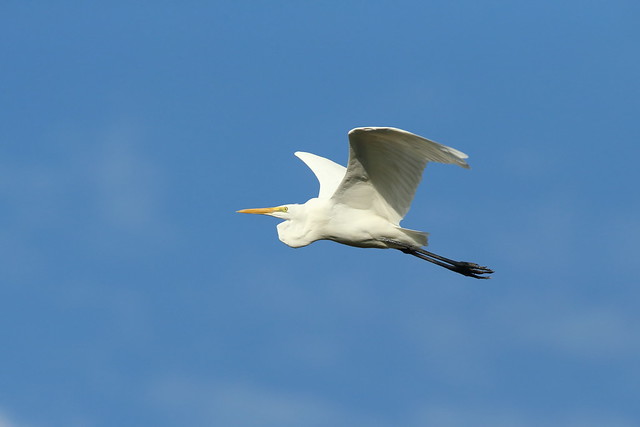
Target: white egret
(362,205)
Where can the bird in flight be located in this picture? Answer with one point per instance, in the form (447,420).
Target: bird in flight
(362,205)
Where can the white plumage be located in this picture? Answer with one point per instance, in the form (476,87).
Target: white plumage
(329,173)
(362,205)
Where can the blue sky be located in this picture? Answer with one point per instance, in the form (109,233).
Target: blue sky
(131,293)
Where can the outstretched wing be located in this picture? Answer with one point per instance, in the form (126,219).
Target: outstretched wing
(329,174)
(385,168)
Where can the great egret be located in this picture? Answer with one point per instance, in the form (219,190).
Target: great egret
(362,205)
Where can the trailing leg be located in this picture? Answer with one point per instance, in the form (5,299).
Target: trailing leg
(461,267)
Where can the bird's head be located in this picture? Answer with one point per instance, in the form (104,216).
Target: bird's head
(282,212)
(294,230)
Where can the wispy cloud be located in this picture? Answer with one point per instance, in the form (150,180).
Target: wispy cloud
(105,172)
(6,421)
(242,403)
(584,331)
(127,183)
(91,186)
(494,414)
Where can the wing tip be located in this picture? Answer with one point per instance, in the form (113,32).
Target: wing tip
(460,157)
(461,162)
(302,154)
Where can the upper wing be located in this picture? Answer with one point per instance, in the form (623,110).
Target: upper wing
(329,173)
(385,168)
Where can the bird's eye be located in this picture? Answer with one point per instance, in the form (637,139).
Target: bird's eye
(285,209)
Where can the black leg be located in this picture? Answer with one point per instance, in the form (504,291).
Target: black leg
(466,268)
(461,267)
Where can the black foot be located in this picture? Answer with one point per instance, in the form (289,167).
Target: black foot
(472,270)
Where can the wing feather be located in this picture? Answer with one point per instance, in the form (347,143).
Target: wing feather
(329,173)
(385,168)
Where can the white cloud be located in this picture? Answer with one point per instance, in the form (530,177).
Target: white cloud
(566,325)
(457,415)
(238,404)
(93,186)
(594,332)
(6,421)
(127,182)
(447,415)
(102,173)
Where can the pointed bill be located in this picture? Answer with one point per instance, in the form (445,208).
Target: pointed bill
(264,211)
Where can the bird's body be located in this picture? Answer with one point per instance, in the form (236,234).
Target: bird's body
(321,219)
(362,205)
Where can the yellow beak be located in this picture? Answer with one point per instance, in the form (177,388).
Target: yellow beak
(264,211)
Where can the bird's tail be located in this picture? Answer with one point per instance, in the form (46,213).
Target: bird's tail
(419,237)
